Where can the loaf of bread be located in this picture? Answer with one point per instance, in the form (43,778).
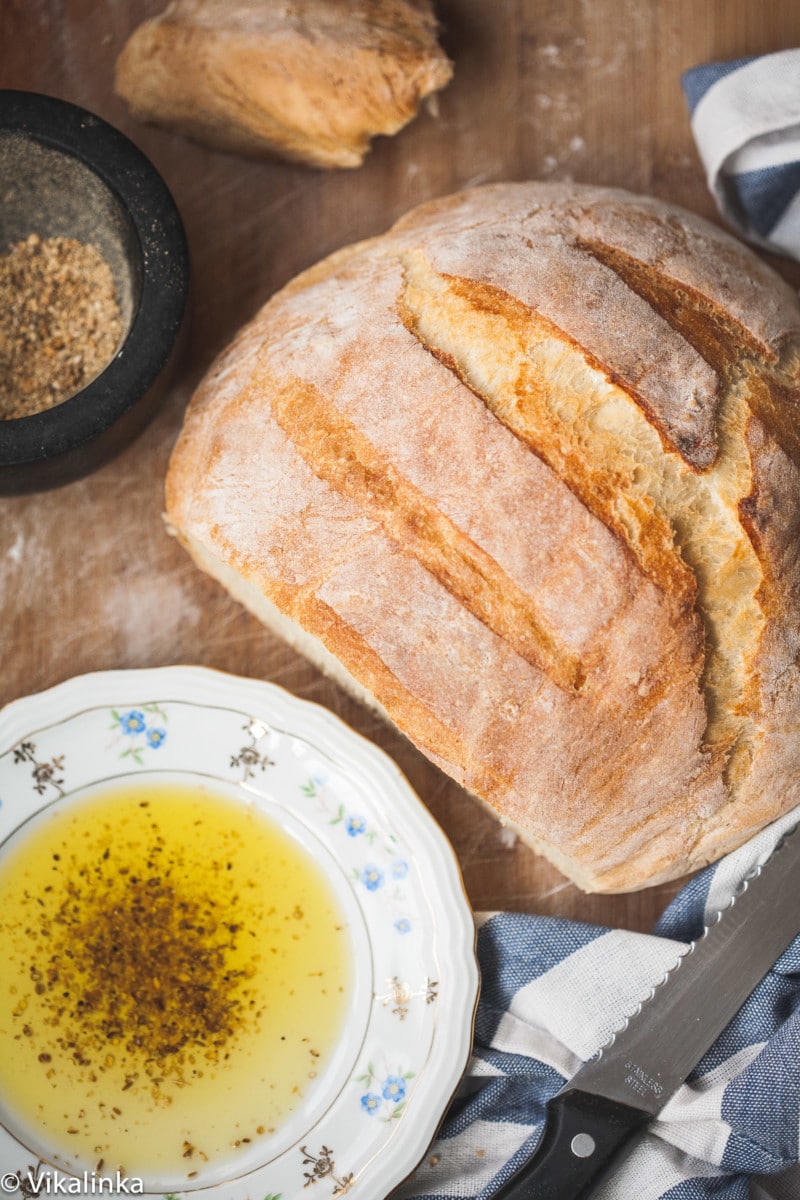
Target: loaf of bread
(522,474)
(311,80)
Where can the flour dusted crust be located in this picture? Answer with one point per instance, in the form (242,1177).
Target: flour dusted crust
(522,474)
(308,80)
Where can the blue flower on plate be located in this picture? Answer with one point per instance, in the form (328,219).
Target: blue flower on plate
(399,869)
(370,1103)
(132,722)
(394,1088)
(372,877)
(155,736)
(403,925)
(355,825)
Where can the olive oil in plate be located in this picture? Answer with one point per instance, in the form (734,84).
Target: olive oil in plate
(176,973)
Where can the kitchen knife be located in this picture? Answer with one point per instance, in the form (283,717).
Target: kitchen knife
(616,1093)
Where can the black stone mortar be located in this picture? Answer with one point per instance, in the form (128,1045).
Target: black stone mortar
(66,173)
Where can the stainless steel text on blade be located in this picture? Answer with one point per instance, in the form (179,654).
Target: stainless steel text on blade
(652,1056)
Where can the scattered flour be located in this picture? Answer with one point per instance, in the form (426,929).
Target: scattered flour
(147,617)
(507,837)
(16,550)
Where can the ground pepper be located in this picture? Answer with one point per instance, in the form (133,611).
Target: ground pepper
(61,322)
(140,964)
(172,960)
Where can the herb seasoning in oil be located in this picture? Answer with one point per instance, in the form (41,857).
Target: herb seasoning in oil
(176,969)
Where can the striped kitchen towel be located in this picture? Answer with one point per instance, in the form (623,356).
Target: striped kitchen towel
(553,993)
(746,123)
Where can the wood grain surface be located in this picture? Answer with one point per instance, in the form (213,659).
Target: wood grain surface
(549,89)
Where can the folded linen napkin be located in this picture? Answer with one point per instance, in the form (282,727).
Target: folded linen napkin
(746,123)
(553,993)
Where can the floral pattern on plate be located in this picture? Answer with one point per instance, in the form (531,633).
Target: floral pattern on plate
(385,1090)
(409,1036)
(382,864)
(139,730)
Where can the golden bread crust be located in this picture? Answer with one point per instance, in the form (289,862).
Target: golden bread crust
(520,467)
(311,81)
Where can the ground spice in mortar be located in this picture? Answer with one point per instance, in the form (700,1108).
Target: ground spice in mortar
(61,322)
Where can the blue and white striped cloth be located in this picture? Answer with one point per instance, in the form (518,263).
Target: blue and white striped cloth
(746,123)
(553,993)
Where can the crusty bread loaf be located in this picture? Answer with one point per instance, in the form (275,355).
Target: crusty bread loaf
(523,474)
(311,81)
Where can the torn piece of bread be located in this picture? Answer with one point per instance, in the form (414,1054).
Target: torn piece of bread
(523,474)
(311,81)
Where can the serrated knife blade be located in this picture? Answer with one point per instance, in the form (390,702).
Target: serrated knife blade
(615,1094)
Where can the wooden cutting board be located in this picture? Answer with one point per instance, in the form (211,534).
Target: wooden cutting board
(89,580)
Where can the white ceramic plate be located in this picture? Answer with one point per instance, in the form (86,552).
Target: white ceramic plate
(376,1110)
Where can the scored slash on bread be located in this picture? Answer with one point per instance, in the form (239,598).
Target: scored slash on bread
(522,475)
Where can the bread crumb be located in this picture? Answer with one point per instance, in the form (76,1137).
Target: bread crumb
(507,837)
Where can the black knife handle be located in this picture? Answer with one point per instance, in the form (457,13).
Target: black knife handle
(582,1135)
